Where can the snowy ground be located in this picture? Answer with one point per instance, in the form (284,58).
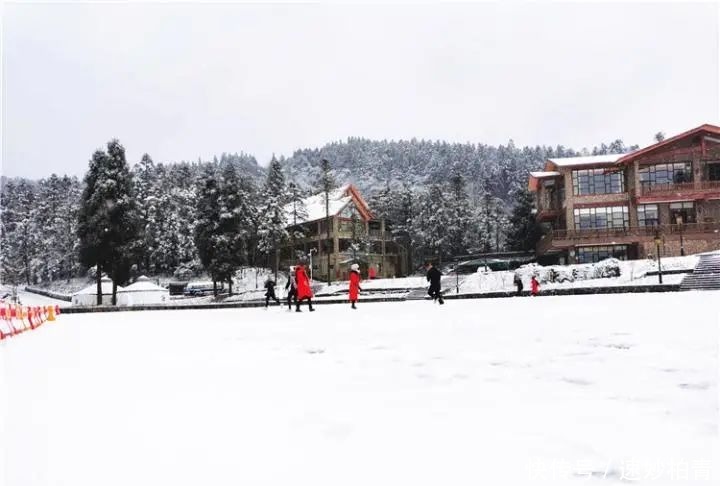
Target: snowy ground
(632,272)
(548,390)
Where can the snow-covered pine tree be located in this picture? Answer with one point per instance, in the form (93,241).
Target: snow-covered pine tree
(432,223)
(273,220)
(486,223)
(402,227)
(298,214)
(523,230)
(359,238)
(459,216)
(65,232)
(145,185)
(15,268)
(207,217)
(108,222)
(230,238)
(93,220)
(125,223)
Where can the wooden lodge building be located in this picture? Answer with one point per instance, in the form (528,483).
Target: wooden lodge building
(355,236)
(617,205)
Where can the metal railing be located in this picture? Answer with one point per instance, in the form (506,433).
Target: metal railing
(649,189)
(604,233)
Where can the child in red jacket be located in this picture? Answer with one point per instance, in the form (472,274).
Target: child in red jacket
(534,286)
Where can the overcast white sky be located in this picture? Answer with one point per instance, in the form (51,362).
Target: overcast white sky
(182,81)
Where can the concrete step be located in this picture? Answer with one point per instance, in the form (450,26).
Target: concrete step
(706,275)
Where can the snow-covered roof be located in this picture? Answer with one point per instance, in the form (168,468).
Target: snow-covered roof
(105,288)
(143,284)
(542,175)
(588,160)
(315,205)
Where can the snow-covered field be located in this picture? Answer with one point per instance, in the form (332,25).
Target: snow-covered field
(597,389)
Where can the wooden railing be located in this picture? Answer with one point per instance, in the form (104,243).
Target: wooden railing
(647,189)
(604,233)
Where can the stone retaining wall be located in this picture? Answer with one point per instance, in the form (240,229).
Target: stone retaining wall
(48,293)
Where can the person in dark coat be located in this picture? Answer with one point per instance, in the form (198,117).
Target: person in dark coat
(291,288)
(270,292)
(534,286)
(518,283)
(354,289)
(304,291)
(433,276)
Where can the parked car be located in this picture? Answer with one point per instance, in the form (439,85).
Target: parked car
(198,289)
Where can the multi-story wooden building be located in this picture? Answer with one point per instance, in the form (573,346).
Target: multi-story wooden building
(355,236)
(617,205)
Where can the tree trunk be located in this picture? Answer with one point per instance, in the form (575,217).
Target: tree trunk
(229,286)
(382,240)
(277,263)
(114,295)
(98,278)
(214,288)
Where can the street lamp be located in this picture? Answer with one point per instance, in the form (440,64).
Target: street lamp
(679,221)
(658,240)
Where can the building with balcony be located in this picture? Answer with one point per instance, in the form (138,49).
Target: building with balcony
(355,236)
(615,205)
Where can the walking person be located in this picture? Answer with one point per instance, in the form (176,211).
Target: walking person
(534,286)
(433,276)
(304,291)
(291,288)
(354,284)
(518,283)
(270,292)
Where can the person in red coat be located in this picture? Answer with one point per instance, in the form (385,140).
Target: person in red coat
(304,292)
(371,272)
(534,286)
(354,284)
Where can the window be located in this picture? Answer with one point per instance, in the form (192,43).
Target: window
(714,171)
(606,217)
(648,215)
(683,212)
(666,174)
(597,181)
(327,246)
(593,254)
(323,226)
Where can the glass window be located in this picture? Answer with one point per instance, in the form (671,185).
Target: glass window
(648,215)
(593,254)
(714,171)
(682,212)
(605,217)
(597,181)
(676,173)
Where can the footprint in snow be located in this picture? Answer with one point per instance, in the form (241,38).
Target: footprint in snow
(694,386)
(577,381)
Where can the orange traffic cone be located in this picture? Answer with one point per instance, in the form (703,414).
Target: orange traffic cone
(51,313)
